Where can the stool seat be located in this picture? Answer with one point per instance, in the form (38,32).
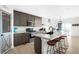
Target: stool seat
(57,39)
(63,36)
(51,42)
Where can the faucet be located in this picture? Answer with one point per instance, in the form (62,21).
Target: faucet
(51,28)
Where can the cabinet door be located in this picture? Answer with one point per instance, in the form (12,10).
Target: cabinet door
(20,19)
(31,20)
(24,18)
(38,21)
(17,39)
(17,17)
(21,38)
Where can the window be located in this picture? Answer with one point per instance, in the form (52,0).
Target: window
(5,22)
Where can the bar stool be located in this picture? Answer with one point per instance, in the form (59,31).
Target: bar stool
(65,41)
(59,45)
(64,44)
(57,41)
(60,49)
(51,46)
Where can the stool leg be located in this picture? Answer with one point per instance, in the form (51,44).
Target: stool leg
(60,51)
(63,48)
(47,49)
(52,50)
(58,48)
(66,42)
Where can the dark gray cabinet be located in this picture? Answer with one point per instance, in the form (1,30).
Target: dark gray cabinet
(21,38)
(31,20)
(35,21)
(20,19)
(38,21)
(17,17)
(24,19)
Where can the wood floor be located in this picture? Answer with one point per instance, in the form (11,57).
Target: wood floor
(28,48)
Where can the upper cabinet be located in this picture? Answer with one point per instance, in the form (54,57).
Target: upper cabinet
(38,21)
(24,19)
(17,18)
(20,19)
(31,20)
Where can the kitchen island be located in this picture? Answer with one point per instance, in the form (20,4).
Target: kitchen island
(45,37)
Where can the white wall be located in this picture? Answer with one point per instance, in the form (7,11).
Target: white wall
(45,21)
(74,30)
(69,11)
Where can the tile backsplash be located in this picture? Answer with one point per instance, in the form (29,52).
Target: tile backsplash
(22,29)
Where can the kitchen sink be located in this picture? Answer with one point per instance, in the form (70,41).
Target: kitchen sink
(50,33)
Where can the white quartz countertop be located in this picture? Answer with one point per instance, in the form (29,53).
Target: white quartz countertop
(48,36)
(19,32)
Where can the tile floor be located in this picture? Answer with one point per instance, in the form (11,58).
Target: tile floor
(29,47)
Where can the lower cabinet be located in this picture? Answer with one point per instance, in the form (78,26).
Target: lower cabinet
(21,38)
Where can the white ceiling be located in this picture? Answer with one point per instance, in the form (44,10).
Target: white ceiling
(49,11)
